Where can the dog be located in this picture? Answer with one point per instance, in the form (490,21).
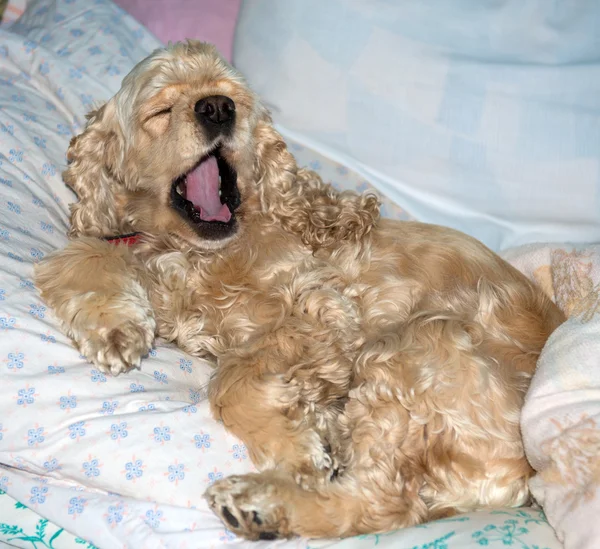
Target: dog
(375,369)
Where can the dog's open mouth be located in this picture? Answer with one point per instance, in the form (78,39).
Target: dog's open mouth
(207,196)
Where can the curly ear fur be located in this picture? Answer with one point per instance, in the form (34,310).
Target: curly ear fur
(96,174)
(300,201)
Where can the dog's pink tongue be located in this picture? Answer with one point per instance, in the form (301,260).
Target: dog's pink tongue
(202,190)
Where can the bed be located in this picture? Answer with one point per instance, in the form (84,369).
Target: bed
(87,460)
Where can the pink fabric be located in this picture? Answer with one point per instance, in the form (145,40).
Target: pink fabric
(174,20)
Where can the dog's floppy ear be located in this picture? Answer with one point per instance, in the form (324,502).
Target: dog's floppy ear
(300,201)
(275,167)
(97,172)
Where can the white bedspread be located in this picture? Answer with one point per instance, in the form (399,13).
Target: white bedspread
(121,462)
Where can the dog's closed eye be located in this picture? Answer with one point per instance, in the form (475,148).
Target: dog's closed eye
(157,121)
(163,111)
(157,111)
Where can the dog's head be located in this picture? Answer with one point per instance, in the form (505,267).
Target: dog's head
(184,148)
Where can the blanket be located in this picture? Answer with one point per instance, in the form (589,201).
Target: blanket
(561,417)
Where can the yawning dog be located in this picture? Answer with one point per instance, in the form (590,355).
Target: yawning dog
(374,369)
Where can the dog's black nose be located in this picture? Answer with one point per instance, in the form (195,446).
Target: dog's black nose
(215,110)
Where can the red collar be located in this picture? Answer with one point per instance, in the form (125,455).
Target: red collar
(127,239)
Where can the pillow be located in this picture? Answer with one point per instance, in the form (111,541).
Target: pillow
(483,116)
(173,20)
(11,10)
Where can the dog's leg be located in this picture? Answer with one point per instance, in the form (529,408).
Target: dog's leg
(264,411)
(94,289)
(426,432)
(270,505)
(379,493)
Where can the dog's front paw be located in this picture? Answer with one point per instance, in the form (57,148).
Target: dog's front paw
(251,506)
(119,349)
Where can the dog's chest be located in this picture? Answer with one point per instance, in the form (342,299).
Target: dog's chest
(290,299)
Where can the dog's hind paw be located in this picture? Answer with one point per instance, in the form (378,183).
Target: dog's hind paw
(252,506)
(322,468)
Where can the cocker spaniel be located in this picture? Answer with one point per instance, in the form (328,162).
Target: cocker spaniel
(374,369)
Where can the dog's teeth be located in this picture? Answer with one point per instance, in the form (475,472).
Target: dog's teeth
(219,185)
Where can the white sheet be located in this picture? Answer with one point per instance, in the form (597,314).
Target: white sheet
(121,462)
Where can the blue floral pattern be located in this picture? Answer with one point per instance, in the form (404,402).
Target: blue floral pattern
(134,469)
(202,441)
(118,430)
(91,468)
(162,434)
(35,436)
(51,465)
(76,505)
(176,472)
(153,518)
(26,396)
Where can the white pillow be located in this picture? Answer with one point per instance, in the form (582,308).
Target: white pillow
(480,115)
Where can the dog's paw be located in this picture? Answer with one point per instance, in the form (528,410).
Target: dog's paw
(120,349)
(251,506)
(321,468)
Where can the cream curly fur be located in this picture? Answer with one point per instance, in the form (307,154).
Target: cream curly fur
(374,369)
